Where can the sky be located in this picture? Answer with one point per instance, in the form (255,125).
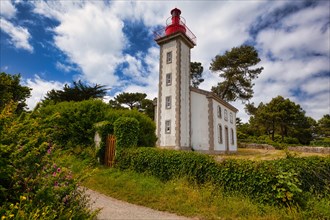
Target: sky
(111,43)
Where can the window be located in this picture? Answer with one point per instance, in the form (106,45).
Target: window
(232,137)
(231,117)
(168,79)
(226,115)
(219,133)
(168,102)
(219,111)
(169,57)
(167,126)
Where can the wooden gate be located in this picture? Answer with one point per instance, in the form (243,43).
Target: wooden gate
(110,150)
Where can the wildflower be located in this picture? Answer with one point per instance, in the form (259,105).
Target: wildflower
(56,183)
(49,151)
(11,215)
(22,198)
(3,217)
(54,174)
(54,166)
(58,170)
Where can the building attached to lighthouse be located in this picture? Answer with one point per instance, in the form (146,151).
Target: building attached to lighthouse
(188,118)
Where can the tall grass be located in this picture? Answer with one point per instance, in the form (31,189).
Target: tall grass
(181,197)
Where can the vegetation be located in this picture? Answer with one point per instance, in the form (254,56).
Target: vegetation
(235,68)
(180,195)
(196,70)
(32,185)
(126,131)
(285,182)
(12,91)
(78,92)
(136,101)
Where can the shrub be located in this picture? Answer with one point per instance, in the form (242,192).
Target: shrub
(72,122)
(277,182)
(34,187)
(126,131)
(147,132)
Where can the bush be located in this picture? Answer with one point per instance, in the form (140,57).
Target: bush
(284,181)
(34,187)
(147,132)
(72,123)
(126,131)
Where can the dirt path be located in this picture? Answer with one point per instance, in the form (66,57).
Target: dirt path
(116,209)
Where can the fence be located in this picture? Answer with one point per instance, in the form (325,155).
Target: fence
(110,150)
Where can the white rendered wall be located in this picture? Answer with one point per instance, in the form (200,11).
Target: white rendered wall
(185,93)
(199,122)
(224,123)
(168,114)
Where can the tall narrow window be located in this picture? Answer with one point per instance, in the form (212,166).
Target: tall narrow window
(168,102)
(219,111)
(232,137)
(231,117)
(168,126)
(169,57)
(226,115)
(219,133)
(168,79)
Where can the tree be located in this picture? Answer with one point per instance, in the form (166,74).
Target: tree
(78,92)
(235,67)
(196,70)
(132,100)
(12,90)
(323,126)
(284,117)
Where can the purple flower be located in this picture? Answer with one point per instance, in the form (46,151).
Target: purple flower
(49,150)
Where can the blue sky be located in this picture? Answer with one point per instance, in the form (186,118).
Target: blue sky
(111,43)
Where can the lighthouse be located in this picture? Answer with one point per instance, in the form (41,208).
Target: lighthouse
(173,107)
(188,118)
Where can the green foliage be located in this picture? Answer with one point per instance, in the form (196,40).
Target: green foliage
(78,92)
(196,70)
(235,67)
(133,100)
(279,116)
(323,126)
(32,185)
(11,90)
(283,182)
(126,131)
(72,123)
(147,135)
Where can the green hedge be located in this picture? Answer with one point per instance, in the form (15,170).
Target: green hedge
(285,181)
(126,131)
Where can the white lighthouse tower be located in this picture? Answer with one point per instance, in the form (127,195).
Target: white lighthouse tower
(173,107)
(188,118)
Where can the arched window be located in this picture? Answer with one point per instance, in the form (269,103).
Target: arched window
(219,134)
(219,111)
(232,137)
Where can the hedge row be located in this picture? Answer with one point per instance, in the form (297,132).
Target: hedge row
(284,181)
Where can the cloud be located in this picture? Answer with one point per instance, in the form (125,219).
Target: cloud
(19,36)
(40,87)
(7,9)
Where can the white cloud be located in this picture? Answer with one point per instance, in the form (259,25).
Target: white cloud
(91,35)
(40,87)
(7,9)
(19,35)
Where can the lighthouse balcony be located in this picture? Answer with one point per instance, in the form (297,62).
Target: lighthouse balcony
(175,27)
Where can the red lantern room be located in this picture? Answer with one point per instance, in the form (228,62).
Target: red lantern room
(176,24)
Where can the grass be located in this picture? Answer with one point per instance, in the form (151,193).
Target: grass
(263,154)
(181,197)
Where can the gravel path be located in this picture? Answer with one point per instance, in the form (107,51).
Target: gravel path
(116,209)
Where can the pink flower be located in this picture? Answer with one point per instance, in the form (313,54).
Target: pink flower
(54,174)
(58,170)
